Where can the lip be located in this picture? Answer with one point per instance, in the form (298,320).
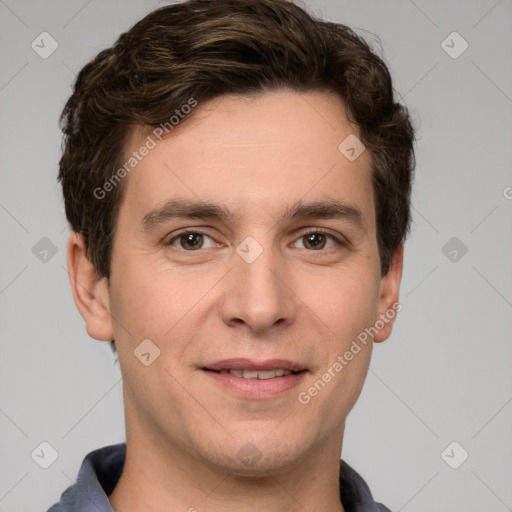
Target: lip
(249,364)
(255,389)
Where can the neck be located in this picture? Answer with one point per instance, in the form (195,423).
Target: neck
(159,476)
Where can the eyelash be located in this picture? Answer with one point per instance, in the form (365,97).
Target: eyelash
(336,240)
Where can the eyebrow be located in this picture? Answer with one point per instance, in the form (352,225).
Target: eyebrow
(187,209)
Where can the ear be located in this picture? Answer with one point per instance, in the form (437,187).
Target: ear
(90,292)
(389,294)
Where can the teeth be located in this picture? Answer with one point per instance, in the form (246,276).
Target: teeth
(267,374)
(262,375)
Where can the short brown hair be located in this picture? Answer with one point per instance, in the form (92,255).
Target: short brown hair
(202,49)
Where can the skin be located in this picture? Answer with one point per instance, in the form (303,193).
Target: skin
(255,156)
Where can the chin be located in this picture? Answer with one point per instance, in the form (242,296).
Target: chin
(253,457)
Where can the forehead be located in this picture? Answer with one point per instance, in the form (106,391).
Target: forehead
(254,155)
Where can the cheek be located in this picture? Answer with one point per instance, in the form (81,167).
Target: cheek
(346,302)
(156,302)
(140,302)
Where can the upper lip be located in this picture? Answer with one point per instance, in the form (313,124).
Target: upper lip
(249,364)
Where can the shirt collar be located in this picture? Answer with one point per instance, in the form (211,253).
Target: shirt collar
(102,468)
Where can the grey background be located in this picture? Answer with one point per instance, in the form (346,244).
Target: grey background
(445,374)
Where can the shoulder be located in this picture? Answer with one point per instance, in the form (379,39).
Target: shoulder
(98,475)
(354,492)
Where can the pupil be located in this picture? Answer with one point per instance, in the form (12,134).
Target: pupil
(311,238)
(190,237)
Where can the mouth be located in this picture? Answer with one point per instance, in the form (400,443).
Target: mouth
(254,374)
(254,380)
(250,365)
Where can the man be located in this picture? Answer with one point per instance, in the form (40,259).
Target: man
(237,178)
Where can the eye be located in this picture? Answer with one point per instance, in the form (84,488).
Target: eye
(194,240)
(190,240)
(318,239)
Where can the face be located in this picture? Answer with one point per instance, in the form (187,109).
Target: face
(246,236)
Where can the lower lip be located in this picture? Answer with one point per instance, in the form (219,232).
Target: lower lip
(257,389)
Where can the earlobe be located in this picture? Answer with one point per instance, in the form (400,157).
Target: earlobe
(389,296)
(90,292)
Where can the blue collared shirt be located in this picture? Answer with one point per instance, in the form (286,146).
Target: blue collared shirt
(102,468)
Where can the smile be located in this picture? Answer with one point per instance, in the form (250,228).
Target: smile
(263,375)
(255,385)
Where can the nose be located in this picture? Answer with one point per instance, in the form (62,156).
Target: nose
(259,294)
